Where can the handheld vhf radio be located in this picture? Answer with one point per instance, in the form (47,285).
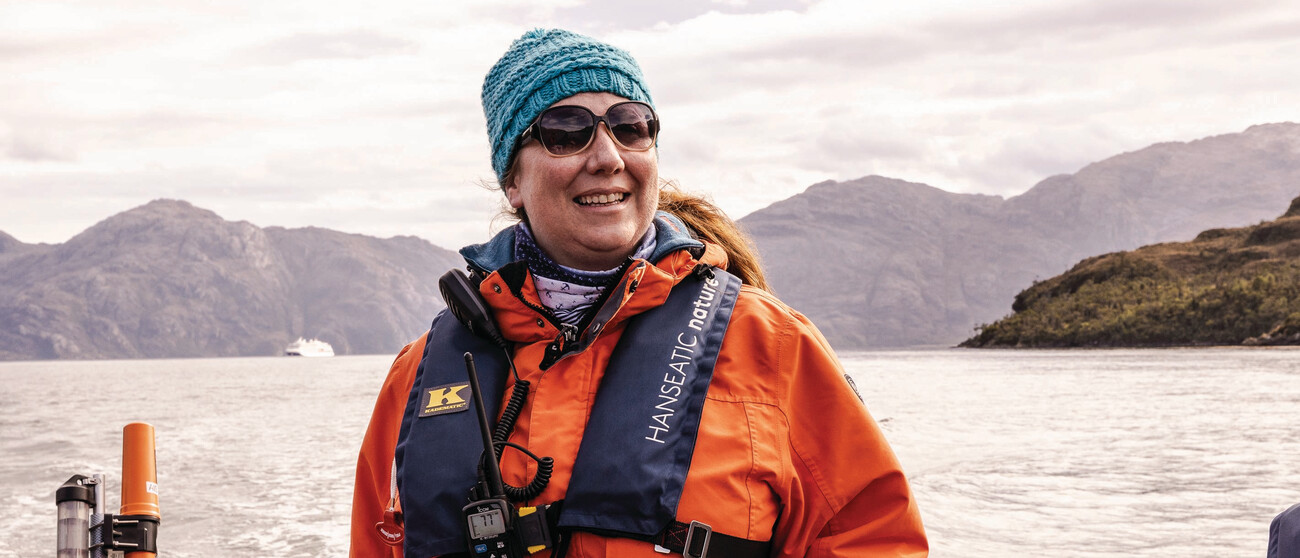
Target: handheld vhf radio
(493,527)
(489,519)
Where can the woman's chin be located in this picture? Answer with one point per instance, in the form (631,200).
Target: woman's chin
(599,249)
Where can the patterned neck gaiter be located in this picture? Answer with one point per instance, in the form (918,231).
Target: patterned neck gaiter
(567,292)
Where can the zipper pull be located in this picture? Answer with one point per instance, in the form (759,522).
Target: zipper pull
(568,335)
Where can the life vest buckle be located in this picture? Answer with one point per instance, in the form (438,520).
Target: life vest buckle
(688,551)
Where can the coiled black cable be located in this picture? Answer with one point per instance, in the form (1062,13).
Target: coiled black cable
(545,465)
(519,396)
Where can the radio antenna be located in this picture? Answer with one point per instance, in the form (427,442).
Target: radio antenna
(494,484)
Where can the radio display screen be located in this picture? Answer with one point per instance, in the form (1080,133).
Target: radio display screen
(487,524)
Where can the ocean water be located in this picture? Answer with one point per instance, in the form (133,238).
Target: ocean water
(1180,452)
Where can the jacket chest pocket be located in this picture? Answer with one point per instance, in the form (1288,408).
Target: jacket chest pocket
(740,462)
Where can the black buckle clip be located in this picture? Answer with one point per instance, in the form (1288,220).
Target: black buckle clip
(690,537)
(534,529)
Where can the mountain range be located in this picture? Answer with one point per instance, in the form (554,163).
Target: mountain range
(879,262)
(874,262)
(168,279)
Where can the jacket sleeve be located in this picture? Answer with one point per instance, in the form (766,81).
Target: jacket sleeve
(847,495)
(370,494)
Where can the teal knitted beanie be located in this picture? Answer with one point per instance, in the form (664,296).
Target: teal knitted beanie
(542,67)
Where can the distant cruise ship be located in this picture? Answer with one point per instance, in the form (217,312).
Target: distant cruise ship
(309,348)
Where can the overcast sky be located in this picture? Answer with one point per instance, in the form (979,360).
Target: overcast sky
(365,116)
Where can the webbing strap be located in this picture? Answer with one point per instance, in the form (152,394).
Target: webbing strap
(704,541)
(699,538)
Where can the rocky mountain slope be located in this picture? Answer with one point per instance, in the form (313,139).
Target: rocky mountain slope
(9,243)
(878,262)
(1226,287)
(170,280)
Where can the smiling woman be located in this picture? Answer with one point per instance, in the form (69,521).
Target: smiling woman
(588,206)
(680,408)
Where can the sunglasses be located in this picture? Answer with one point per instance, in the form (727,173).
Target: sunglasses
(568,129)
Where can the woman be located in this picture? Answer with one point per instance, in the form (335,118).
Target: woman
(680,411)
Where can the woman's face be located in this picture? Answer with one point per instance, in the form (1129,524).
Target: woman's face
(561,195)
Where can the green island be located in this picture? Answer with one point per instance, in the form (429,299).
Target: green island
(1227,287)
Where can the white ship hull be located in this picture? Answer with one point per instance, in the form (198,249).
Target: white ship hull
(309,348)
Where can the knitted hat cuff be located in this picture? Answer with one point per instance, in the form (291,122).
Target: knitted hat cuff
(562,86)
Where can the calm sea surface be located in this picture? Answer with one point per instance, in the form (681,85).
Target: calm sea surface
(1046,453)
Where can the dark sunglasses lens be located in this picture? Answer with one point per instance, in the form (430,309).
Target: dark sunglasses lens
(634,125)
(566,130)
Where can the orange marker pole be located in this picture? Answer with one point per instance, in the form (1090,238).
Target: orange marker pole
(139,478)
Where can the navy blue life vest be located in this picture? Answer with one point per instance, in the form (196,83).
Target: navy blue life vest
(1284,534)
(637,447)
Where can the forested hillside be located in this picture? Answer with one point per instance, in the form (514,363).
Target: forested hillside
(1226,287)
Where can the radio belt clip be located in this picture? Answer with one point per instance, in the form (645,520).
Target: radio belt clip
(534,532)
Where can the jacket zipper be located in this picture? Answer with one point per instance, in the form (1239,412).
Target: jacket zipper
(554,351)
(568,333)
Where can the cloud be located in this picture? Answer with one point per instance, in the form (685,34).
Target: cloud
(1072,18)
(271,112)
(853,149)
(1020,162)
(36,135)
(606,17)
(13,50)
(1283,28)
(54,207)
(836,38)
(35,148)
(355,44)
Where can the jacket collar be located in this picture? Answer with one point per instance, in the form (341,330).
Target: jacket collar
(512,296)
(671,235)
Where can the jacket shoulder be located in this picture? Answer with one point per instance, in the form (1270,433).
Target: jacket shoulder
(762,312)
(766,347)
(407,362)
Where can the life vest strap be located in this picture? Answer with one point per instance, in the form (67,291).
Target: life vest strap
(696,537)
(698,540)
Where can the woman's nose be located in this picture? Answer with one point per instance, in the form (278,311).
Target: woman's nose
(603,153)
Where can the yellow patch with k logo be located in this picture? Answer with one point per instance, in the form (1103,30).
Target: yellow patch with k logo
(450,398)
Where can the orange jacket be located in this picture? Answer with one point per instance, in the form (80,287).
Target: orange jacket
(785,450)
